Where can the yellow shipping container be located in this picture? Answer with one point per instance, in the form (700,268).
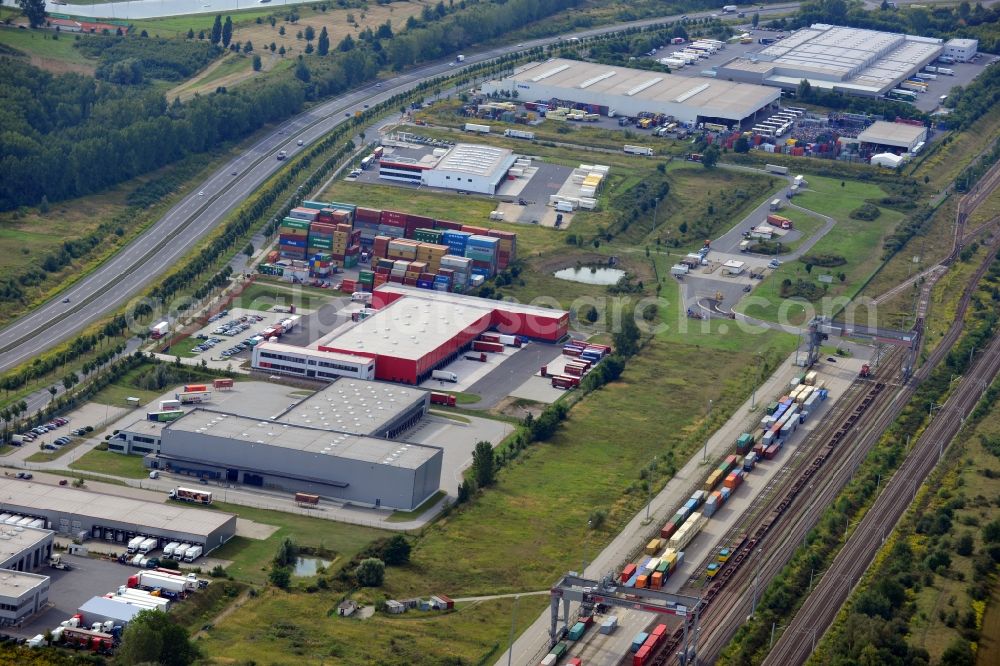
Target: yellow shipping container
(653,546)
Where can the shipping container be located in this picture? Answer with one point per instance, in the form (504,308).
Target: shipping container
(639,640)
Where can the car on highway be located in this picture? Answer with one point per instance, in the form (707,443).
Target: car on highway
(300,142)
(282,154)
(66,300)
(63,482)
(378,85)
(234,173)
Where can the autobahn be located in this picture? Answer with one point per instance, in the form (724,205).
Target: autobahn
(163,245)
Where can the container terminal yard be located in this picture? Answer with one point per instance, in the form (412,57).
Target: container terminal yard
(769,482)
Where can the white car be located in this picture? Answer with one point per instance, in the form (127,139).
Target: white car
(201,194)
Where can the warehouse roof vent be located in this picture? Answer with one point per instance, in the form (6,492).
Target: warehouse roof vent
(691,93)
(642,86)
(597,79)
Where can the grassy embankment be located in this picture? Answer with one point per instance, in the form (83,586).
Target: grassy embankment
(942,547)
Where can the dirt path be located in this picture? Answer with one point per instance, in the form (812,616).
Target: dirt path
(226,612)
(194,86)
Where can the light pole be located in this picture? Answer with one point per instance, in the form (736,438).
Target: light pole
(708,419)
(513,620)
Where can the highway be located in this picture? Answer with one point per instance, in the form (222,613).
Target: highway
(166,242)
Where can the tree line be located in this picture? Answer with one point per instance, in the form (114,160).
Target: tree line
(68,135)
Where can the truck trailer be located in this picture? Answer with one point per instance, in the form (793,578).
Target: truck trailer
(638,150)
(191,495)
(478,129)
(519,134)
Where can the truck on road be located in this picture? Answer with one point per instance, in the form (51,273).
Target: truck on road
(638,150)
(191,495)
(477,128)
(193,397)
(169,585)
(157,331)
(519,134)
(460,58)
(730,9)
(774,168)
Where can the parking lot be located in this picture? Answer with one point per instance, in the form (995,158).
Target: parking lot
(52,435)
(70,589)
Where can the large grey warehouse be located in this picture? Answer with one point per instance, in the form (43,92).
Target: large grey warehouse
(628,92)
(848,60)
(336,443)
(113,518)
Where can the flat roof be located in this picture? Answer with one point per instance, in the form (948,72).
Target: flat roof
(353,405)
(475,159)
(410,328)
(583,81)
(282,348)
(99,507)
(961,42)
(892,134)
(838,56)
(302,438)
(15,540)
(110,609)
(415,156)
(462,299)
(145,427)
(15,583)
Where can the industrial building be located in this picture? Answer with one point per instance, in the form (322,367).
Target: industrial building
(88,515)
(23,548)
(962,50)
(414,331)
(21,595)
(141,437)
(310,362)
(304,458)
(628,92)
(848,60)
(466,167)
(882,135)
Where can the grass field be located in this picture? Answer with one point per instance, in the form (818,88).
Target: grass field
(231,69)
(106,462)
(55,55)
(184,348)
(264,294)
(116,394)
(858,241)
(520,535)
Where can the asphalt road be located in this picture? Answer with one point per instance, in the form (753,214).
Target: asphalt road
(169,239)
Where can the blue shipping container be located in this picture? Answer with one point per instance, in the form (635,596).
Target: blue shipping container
(639,639)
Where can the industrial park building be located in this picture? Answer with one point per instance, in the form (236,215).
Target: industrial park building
(848,60)
(613,90)
(336,443)
(22,550)
(22,595)
(894,136)
(88,515)
(295,458)
(962,50)
(466,167)
(414,331)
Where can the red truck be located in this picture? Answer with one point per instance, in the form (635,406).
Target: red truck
(442,399)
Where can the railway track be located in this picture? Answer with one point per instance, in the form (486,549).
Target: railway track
(725,603)
(822,605)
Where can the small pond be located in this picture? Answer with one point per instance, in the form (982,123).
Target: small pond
(307,566)
(591,275)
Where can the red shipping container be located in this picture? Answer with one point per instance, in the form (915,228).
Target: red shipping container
(479,231)
(651,642)
(368,214)
(393,218)
(445,224)
(628,571)
(640,657)
(668,530)
(572,370)
(412,282)
(490,337)
(660,631)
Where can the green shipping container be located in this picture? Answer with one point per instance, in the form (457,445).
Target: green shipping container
(663,566)
(324,243)
(350,261)
(772,408)
(576,633)
(314,205)
(292,223)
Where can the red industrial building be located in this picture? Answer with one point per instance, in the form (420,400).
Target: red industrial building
(415,330)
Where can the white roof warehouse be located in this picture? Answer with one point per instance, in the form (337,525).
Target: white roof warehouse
(628,92)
